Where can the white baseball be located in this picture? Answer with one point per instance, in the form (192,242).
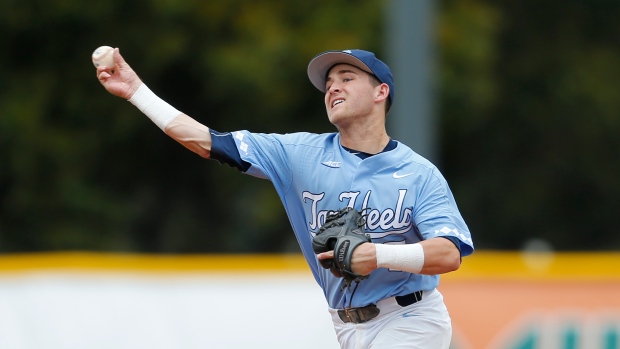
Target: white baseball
(104,55)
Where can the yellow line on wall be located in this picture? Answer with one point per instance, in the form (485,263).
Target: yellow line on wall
(567,265)
(151,262)
(482,264)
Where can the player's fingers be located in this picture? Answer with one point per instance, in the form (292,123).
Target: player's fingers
(120,61)
(117,56)
(325,255)
(102,73)
(102,69)
(103,76)
(326,263)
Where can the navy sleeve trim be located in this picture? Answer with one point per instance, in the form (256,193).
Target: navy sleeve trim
(224,150)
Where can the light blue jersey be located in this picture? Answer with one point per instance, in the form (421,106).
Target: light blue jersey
(408,200)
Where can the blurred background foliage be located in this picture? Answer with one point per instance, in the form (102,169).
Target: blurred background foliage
(529,108)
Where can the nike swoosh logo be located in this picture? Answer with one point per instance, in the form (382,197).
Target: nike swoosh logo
(332,164)
(397,176)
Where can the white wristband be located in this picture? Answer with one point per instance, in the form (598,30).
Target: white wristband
(160,112)
(408,257)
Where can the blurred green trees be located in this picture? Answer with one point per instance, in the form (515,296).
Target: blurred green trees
(531,120)
(530,113)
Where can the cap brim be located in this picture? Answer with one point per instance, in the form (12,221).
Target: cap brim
(319,65)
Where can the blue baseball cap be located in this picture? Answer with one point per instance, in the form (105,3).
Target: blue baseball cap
(320,65)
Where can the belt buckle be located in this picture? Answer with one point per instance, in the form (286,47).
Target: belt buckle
(348,314)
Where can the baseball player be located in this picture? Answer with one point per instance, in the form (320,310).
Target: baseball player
(416,231)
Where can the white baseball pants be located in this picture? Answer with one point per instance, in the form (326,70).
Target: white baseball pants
(423,325)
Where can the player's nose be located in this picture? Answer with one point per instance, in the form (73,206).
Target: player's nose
(334,88)
(330,94)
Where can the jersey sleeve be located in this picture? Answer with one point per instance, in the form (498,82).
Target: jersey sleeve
(267,156)
(437,215)
(224,150)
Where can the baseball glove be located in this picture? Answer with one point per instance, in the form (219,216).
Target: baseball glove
(342,233)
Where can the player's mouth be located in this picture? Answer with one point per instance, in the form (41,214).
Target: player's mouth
(337,101)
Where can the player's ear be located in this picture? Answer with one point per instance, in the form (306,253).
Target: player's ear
(382,92)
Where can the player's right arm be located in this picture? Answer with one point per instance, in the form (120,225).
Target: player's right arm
(122,81)
(191,134)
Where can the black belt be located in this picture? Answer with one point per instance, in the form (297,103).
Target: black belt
(369,312)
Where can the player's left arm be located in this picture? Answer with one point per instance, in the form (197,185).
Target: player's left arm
(436,254)
(430,257)
(440,256)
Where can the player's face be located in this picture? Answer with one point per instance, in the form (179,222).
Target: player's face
(349,94)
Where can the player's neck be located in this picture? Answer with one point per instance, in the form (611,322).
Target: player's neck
(371,141)
(364,133)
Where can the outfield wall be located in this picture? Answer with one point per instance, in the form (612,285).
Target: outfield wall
(86,300)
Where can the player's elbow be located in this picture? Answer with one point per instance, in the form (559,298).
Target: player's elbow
(444,255)
(202,147)
(450,261)
(453,262)
(202,152)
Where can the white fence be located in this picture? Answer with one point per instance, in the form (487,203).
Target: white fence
(80,310)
